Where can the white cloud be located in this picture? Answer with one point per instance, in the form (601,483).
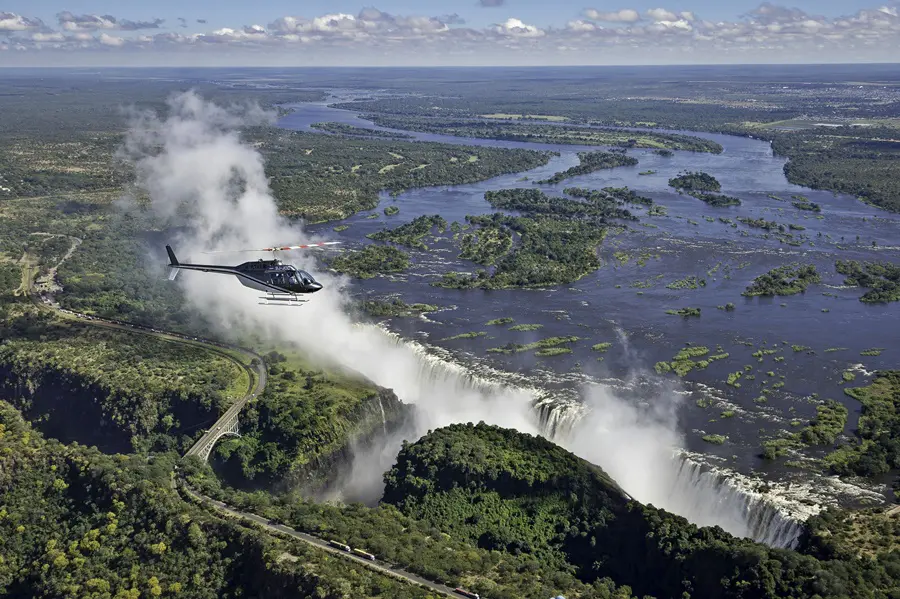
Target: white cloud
(13,22)
(374,35)
(580,25)
(72,22)
(626,15)
(661,14)
(516,28)
(54,36)
(111,40)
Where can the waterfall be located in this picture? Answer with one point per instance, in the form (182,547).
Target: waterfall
(383,418)
(632,451)
(708,497)
(558,419)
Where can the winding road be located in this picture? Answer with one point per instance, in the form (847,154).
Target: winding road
(258,379)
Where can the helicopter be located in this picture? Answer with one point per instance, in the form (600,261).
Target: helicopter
(283,283)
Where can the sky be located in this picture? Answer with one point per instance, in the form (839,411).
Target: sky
(440,32)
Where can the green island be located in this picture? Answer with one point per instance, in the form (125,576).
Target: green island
(689,282)
(830,421)
(412,233)
(558,134)
(526,327)
(556,243)
(372,260)
(350,130)
(684,361)
(802,203)
(880,279)
(396,308)
(790,279)
(686,312)
(550,343)
(716,200)
(621,194)
(761,223)
(591,162)
(695,181)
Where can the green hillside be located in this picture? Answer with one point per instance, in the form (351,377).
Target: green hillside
(516,493)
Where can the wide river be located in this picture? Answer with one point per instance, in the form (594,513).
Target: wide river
(625,301)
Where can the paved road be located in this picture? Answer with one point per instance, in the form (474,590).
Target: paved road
(378,566)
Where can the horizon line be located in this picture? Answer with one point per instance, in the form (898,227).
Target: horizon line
(460,66)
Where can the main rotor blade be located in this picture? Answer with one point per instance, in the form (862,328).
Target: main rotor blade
(278,249)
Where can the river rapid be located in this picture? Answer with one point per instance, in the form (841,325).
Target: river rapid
(625,301)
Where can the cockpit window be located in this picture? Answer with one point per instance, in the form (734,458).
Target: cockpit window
(305,277)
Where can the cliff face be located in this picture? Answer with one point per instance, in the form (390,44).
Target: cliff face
(304,438)
(69,406)
(379,416)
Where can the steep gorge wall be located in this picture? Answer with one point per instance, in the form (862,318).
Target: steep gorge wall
(70,407)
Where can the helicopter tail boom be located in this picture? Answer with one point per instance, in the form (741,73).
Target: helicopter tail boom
(173,261)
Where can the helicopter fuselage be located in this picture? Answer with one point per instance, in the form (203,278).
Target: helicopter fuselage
(265,274)
(270,276)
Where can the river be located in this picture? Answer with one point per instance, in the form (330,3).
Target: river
(625,302)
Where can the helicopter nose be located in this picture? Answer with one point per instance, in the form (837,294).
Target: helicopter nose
(315,286)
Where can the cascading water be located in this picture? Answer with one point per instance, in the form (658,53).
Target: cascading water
(676,483)
(383,419)
(709,498)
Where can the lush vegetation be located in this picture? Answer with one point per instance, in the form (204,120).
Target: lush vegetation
(417,545)
(684,312)
(872,533)
(620,194)
(556,239)
(350,130)
(75,522)
(688,282)
(302,422)
(784,280)
(830,420)
(411,233)
(396,308)
(119,391)
(859,162)
(550,251)
(372,260)
(558,134)
(543,345)
(591,162)
(802,203)
(716,200)
(325,177)
(486,245)
(877,449)
(520,494)
(881,279)
(695,181)
(689,358)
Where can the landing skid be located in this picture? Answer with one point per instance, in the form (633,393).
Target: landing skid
(282,300)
